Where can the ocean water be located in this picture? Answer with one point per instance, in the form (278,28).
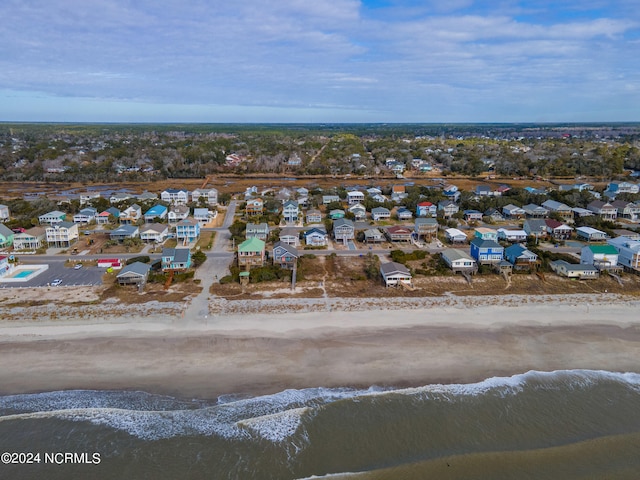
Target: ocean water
(575,424)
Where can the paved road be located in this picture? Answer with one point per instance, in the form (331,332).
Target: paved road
(216,266)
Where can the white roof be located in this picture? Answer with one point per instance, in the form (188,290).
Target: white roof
(454,232)
(589,230)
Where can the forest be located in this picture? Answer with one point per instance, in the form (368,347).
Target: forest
(146,152)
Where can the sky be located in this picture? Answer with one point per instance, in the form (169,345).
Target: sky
(319,61)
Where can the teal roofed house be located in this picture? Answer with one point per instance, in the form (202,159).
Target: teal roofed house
(157,212)
(52,217)
(251,253)
(6,236)
(336,214)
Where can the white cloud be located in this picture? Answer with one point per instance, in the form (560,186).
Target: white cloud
(298,53)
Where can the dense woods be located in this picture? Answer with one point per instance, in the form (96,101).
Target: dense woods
(98,153)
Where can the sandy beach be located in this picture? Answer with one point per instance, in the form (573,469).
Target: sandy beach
(239,350)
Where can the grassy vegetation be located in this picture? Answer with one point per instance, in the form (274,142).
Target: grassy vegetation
(205,242)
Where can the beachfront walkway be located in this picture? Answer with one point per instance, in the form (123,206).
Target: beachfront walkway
(216,266)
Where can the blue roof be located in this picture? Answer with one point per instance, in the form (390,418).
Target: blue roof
(514,250)
(156,210)
(480,243)
(315,230)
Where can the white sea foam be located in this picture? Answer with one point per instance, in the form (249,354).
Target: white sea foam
(515,384)
(274,417)
(278,426)
(76,399)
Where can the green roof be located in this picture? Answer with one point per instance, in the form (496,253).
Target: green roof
(603,249)
(252,244)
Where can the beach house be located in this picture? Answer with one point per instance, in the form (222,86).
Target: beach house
(154,232)
(290,211)
(175,196)
(336,214)
(257,230)
(176,259)
(187,230)
(426,209)
(558,207)
(52,218)
(131,214)
(290,236)
(604,210)
(4,213)
(358,211)
(123,232)
(485,233)
(373,235)
(459,260)
(395,274)
(86,215)
(155,213)
(316,237)
(513,211)
(6,236)
(425,227)
(31,239)
(535,227)
(603,257)
(472,215)
(590,234)
(628,252)
(314,216)
(486,251)
(400,233)
(574,270)
(136,273)
(521,258)
(453,235)
(251,253)
(209,196)
(535,211)
(177,213)
(354,197)
(403,213)
(343,230)
(511,235)
(110,215)
(380,213)
(61,234)
(254,206)
(284,255)
(448,208)
(558,230)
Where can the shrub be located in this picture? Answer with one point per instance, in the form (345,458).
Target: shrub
(141,259)
(198,258)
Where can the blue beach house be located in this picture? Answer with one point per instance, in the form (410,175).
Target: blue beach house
(486,251)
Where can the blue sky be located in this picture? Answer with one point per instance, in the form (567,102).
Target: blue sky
(319,60)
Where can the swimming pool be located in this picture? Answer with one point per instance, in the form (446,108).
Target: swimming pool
(23,273)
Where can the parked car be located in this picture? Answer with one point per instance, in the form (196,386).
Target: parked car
(78,266)
(56,282)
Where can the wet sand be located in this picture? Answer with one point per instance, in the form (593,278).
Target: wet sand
(265,353)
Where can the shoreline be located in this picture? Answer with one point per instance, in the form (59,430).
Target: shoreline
(263,353)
